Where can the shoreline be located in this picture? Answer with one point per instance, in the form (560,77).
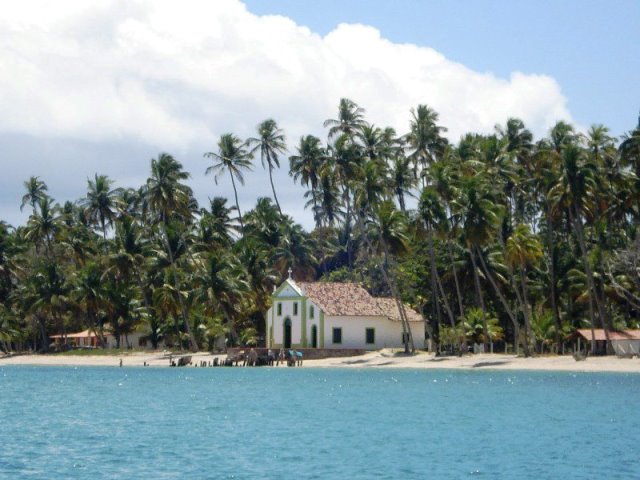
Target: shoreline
(378,359)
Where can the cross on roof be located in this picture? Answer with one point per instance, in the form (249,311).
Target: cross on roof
(290,270)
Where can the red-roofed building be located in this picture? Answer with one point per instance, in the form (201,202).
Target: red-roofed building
(337,315)
(624,342)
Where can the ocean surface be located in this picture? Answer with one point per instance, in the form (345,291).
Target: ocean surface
(292,423)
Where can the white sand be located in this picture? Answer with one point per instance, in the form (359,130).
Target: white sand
(379,359)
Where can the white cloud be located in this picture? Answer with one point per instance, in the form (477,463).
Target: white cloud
(175,75)
(168,73)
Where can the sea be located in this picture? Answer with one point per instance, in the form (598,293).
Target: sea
(305,423)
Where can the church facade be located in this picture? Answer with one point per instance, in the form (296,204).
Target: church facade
(336,315)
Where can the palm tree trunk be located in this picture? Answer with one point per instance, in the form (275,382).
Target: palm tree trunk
(552,275)
(455,278)
(437,284)
(347,197)
(235,192)
(593,294)
(526,311)
(274,189)
(316,217)
(476,280)
(401,200)
(185,318)
(505,305)
(409,346)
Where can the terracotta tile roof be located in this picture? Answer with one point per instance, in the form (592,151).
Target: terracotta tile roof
(350,299)
(83,334)
(599,334)
(390,309)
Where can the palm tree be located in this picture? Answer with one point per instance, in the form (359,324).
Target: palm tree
(350,119)
(295,251)
(164,194)
(425,138)
(402,179)
(480,217)
(523,251)
(43,225)
(36,191)
(101,203)
(221,287)
(217,225)
(271,143)
(170,201)
(630,149)
(392,240)
(325,200)
(233,157)
(574,193)
(306,167)
(89,292)
(433,214)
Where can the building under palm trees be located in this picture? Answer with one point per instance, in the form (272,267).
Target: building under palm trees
(335,315)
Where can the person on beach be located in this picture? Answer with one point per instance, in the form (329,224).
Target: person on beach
(299,356)
(280,357)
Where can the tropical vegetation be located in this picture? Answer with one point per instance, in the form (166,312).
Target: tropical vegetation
(498,239)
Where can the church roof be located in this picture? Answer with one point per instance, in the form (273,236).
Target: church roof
(390,309)
(350,299)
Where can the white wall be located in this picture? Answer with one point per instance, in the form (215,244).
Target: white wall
(388,334)
(626,347)
(134,340)
(278,321)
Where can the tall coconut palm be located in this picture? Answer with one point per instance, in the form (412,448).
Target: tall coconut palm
(271,143)
(165,195)
(425,139)
(402,179)
(433,214)
(36,191)
(389,230)
(217,225)
(101,203)
(350,119)
(523,252)
(574,192)
(480,217)
(630,149)
(89,294)
(43,225)
(221,286)
(232,156)
(325,200)
(306,166)
(169,200)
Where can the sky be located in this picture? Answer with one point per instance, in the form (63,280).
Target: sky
(104,86)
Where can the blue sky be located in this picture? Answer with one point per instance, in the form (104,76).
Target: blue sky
(592,48)
(103,87)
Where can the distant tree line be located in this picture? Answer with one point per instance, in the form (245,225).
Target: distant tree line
(496,239)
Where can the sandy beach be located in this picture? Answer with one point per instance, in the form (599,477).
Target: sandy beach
(378,359)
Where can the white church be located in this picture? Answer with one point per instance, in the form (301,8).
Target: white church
(336,315)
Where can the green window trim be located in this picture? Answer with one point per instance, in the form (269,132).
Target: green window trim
(303,322)
(312,312)
(295,308)
(279,307)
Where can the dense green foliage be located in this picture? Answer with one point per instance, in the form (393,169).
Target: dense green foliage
(509,239)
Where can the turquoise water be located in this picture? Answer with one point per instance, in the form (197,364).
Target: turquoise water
(144,423)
